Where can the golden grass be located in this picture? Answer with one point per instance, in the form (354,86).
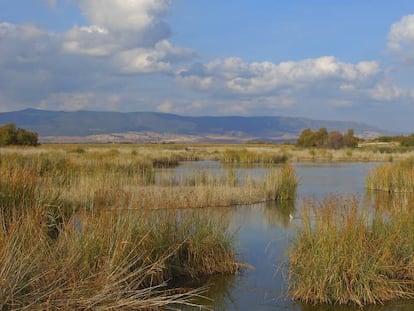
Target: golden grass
(397,177)
(346,254)
(118,179)
(70,240)
(233,153)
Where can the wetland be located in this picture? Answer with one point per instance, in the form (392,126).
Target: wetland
(188,227)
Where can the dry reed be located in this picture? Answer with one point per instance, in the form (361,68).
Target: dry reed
(346,254)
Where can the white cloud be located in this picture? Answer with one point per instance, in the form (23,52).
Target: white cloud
(125,15)
(386,91)
(159,58)
(92,40)
(130,32)
(238,77)
(118,25)
(401,34)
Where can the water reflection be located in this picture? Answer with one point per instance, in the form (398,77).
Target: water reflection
(390,202)
(219,293)
(279,213)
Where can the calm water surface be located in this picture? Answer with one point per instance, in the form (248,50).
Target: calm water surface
(264,232)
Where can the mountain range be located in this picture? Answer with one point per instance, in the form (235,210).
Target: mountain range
(102,126)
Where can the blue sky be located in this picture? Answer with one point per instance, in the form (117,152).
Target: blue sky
(338,60)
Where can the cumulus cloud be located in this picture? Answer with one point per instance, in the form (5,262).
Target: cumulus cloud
(131,32)
(159,58)
(125,15)
(125,48)
(90,40)
(238,77)
(117,25)
(401,34)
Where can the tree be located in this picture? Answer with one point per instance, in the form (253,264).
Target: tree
(350,140)
(335,140)
(305,138)
(324,139)
(321,137)
(407,141)
(10,135)
(308,138)
(27,138)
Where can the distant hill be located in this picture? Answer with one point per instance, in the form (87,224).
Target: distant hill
(102,126)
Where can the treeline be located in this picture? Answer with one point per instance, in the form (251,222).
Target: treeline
(324,139)
(405,141)
(11,135)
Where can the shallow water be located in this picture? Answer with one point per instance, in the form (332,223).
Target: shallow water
(264,232)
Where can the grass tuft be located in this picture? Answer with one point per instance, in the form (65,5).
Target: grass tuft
(345,254)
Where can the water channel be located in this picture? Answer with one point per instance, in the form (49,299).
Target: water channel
(264,232)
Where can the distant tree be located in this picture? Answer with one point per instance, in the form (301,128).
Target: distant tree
(10,135)
(305,138)
(321,137)
(335,140)
(350,140)
(324,139)
(407,141)
(27,138)
(308,138)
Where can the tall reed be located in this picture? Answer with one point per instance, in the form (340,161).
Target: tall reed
(395,177)
(345,254)
(281,184)
(250,157)
(111,260)
(59,252)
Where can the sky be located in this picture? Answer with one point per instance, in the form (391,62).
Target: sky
(322,59)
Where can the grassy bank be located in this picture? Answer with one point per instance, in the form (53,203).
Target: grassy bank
(345,254)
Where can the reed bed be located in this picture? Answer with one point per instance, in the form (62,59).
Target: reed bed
(109,260)
(60,249)
(197,190)
(397,177)
(245,156)
(346,254)
(114,179)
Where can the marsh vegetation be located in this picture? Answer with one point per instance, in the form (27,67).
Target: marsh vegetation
(116,226)
(84,229)
(345,253)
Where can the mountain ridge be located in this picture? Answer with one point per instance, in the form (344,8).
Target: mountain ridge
(87,123)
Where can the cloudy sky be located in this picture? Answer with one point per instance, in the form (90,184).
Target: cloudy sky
(323,59)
